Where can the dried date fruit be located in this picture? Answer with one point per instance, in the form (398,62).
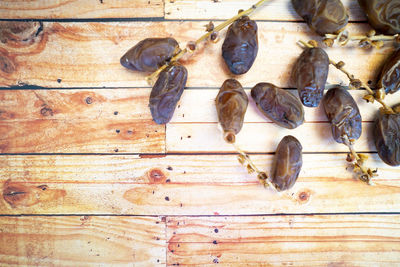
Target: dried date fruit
(240,47)
(387,137)
(278,105)
(343,114)
(309,75)
(383,15)
(322,16)
(390,75)
(150,54)
(287,164)
(231,104)
(166,92)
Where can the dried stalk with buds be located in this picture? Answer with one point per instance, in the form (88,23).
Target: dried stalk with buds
(366,41)
(246,161)
(191,46)
(357,160)
(355,83)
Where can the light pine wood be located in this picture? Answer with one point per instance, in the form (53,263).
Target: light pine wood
(204,102)
(87,9)
(88,54)
(280,10)
(186,185)
(340,240)
(78,121)
(259,138)
(171,201)
(82,241)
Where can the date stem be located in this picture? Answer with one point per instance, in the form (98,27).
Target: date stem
(366,41)
(356,83)
(245,160)
(364,174)
(150,79)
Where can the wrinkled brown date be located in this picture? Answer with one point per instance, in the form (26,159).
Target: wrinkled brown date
(278,105)
(383,15)
(322,16)
(343,114)
(387,137)
(231,104)
(150,54)
(309,75)
(288,163)
(390,74)
(240,47)
(166,92)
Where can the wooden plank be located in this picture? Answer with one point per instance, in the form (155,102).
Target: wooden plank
(340,240)
(198,105)
(88,54)
(78,121)
(186,185)
(82,241)
(259,138)
(281,10)
(67,9)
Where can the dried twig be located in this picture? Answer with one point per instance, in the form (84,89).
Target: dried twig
(246,161)
(357,160)
(367,41)
(372,96)
(192,45)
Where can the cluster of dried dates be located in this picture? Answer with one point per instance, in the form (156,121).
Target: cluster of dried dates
(309,76)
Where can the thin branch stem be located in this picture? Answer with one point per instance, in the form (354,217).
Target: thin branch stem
(218,28)
(245,160)
(353,80)
(365,174)
(379,37)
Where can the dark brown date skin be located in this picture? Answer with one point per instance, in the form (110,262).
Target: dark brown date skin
(240,47)
(150,54)
(166,92)
(309,75)
(287,164)
(231,104)
(383,15)
(322,16)
(278,105)
(343,114)
(390,75)
(387,137)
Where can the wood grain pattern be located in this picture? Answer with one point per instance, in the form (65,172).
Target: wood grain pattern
(341,240)
(82,241)
(67,9)
(186,185)
(88,54)
(78,121)
(280,10)
(259,138)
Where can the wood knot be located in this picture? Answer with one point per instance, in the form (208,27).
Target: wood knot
(89,100)
(304,196)
(20,31)
(6,64)
(19,194)
(156,176)
(46,111)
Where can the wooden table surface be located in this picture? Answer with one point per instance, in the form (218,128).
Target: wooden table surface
(87,179)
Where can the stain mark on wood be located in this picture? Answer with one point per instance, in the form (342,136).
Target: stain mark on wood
(22,194)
